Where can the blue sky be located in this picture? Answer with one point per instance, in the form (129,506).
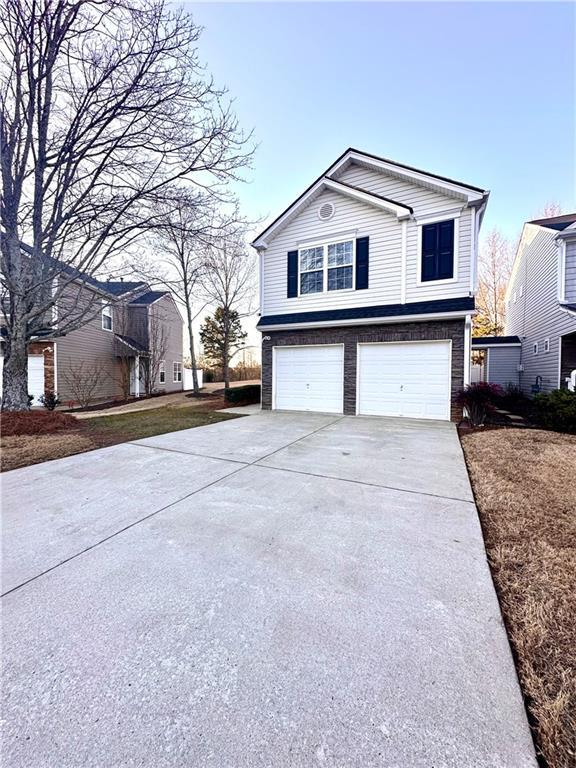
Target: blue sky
(483,93)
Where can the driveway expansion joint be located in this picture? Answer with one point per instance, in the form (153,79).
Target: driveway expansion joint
(243,465)
(363,482)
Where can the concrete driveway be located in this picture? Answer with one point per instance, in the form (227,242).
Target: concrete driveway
(278,590)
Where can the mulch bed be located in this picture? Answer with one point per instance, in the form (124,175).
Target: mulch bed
(35,423)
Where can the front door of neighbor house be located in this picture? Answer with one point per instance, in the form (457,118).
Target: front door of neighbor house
(137,378)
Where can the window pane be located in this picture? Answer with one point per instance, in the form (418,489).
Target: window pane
(311,258)
(339,278)
(311,282)
(340,254)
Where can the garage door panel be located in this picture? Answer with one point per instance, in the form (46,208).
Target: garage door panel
(309,378)
(405,379)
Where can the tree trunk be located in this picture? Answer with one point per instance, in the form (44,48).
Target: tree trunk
(15,375)
(192,351)
(226,353)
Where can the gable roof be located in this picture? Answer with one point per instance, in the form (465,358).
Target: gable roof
(328,180)
(149,297)
(559,223)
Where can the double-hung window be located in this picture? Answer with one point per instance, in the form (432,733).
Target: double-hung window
(162,372)
(327,267)
(312,270)
(437,251)
(106,317)
(340,258)
(177,371)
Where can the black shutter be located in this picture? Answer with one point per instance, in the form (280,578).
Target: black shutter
(429,251)
(362,258)
(446,250)
(292,274)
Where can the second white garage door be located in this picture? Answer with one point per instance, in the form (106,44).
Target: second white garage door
(309,378)
(405,379)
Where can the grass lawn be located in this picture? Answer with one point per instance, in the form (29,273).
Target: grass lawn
(525,487)
(76,436)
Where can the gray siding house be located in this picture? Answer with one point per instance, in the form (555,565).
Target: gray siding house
(367,285)
(133,338)
(496,359)
(541,303)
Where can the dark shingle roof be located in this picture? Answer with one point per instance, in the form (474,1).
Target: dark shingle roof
(463,304)
(483,341)
(119,287)
(136,345)
(556,222)
(149,297)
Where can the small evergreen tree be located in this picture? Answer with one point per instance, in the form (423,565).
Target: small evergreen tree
(222,336)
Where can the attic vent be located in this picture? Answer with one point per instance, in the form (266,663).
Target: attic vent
(326,211)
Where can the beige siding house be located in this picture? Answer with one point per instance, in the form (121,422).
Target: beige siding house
(130,345)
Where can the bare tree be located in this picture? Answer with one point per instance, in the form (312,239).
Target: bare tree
(187,225)
(494,267)
(83,380)
(229,283)
(103,105)
(157,346)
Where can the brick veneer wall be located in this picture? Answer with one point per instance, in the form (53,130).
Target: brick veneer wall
(47,349)
(350,336)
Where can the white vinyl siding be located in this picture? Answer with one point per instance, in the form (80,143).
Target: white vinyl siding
(309,378)
(355,219)
(537,315)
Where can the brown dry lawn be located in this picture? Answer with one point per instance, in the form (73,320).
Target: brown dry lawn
(525,487)
(20,450)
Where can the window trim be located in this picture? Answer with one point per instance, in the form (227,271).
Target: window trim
(455,217)
(107,306)
(324,245)
(162,372)
(535,348)
(546,345)
(176,371)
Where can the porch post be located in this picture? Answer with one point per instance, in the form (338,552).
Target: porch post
(137,376)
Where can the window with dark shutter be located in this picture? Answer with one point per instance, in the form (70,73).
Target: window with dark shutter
(362,249)
(438,251)
(292,274)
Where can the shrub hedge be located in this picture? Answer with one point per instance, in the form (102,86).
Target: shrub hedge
(557,410)
(246,395)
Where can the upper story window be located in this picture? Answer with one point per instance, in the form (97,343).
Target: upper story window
(437,251)
(546,345)
(326,267)
(106,317)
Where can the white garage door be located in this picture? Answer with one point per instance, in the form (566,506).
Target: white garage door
(35,376)
(309,378)
(406,379)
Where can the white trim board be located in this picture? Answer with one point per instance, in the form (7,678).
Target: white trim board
(366,321)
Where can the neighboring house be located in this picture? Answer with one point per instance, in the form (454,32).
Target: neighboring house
(541,303)
(367,285)
(496,359)
(131,343)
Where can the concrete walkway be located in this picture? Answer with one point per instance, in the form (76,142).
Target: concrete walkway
(280,590)
(174,400)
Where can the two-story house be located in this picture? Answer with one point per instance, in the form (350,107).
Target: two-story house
(131,343)
(367,285)
(541,304)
